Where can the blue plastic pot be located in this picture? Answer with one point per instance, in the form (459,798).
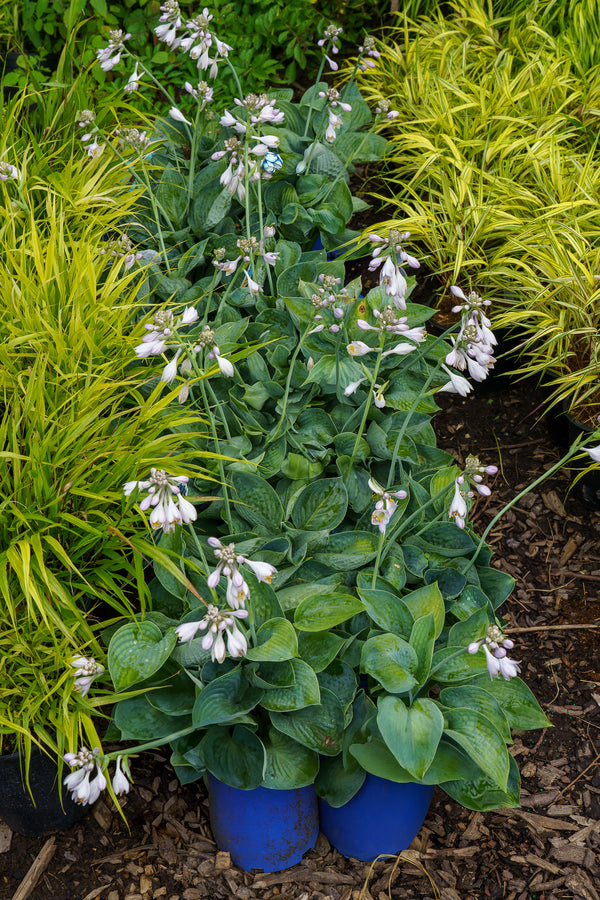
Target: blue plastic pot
(383,817)
(261,828)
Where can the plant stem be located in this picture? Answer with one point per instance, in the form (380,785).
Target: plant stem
(288,384)
(558,465)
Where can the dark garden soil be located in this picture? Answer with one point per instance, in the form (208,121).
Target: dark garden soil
(548,849)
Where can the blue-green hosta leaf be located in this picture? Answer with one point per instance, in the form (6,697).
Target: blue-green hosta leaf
(136,651)
(449,763)
(348,550)
(427,599)
(302,693)
(340,679)
(224,699)
(177,698)
(471,629)
(318,649)
(275,641)
(497,585)
(322,611)
(422,638)
(289,764)
(453,665)
(256,501)
(321,505)
(388,611)
(392,661)
(264,604)
(411,733)
(483,794)
(516,700)
(138,721)
(469,696)
(338,781)
(271,675)
(446,539)
(237,758)
(319,728)
(481,741)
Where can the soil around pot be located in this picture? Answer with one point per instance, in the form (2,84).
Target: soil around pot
(549,849)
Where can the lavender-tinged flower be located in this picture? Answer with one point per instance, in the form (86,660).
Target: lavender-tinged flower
(253,286)
(228,565)
(86,670)
(215,622)
(164,496)
(178,116)
(457,384)
(203,93)
(94,150)
(593,452)
(367,54)
(133,83)
(472,476)
(495,646)
(8,172)
(110,56)
(353,387)
(330,41)
(123,249)
(359,348)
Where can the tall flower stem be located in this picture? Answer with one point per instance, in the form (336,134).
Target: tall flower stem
(367,402)
(274,434)
(558,465)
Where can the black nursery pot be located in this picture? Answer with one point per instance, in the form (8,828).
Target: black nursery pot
(16,806)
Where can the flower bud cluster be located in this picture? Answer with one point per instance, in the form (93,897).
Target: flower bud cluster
(165,497)
(472,476)
(110,56)
(86,120)
(123,249)
(217,623)
(473,347)
(385,506)
(85,789)
(389,256)
(330,42)
(229,565)
(367,53)
(86,670)
(495,646)
(325,298)
(8,172)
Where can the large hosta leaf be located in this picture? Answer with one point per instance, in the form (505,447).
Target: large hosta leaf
(136,651)
(323,611)
(411,733)
(276,641)
(481,741)
(391,660)
(237,758)
(303,692)
(319,728)
(289,764)
(224,699)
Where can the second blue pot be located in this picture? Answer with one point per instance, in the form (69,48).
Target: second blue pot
(262,828)
(383,817)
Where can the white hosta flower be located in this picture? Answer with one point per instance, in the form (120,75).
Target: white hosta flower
(378,397)
(228,565)
(253,286)
(215,622)
(393,282)
(120,780)
(164,496)
(457,384)
(593,452)
(353,387)
(133,83)
(458,508)
(385,506)
(83,790)
(178,116)
(110,56)
(495,646)
(358,348)
(86,670)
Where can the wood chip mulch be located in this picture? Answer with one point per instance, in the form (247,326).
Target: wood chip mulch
(548,849)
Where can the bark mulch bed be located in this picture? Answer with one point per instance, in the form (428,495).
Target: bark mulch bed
(547,850)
